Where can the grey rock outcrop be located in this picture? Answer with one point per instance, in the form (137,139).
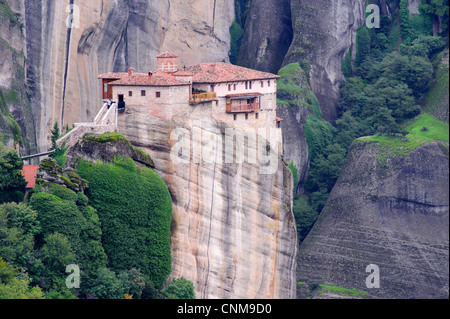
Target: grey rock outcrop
(16,115)
(267,36)
(394,214)
(323,33)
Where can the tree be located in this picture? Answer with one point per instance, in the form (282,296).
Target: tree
(14,285)
(12,182)
(107,285)
(436,9)
(18,225)
(362,45)
(179,288)
(56,133)
(305,217)
(404,21)
(57,252)
(346,65)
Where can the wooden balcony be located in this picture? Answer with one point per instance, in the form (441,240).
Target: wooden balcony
(242,108)
(202,97)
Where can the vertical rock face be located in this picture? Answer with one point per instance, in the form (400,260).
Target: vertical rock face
(394,215)
(234,232)
(16,116)
(267,35)
(107,35)
(323,32)
(198,30)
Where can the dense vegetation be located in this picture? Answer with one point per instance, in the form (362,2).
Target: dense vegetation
(135,208)
(386,86)
(116,230)
(12,183)
(237,28)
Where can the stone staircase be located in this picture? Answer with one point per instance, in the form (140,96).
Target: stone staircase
(105,121)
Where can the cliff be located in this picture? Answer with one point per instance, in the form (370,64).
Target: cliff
(67,49)
(267,35)
(235,233)
(323,33)
(387,210)
(16,115)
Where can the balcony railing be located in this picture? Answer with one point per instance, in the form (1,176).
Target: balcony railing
(203,97)
(242,108)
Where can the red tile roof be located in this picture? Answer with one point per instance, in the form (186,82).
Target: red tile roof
(220,72)
(182,73)
(167,55)
(29,173)
(157,79)
(244,94)
(113,75)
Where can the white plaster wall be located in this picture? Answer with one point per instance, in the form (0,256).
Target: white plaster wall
(222,89)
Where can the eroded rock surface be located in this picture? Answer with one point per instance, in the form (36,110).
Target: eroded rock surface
(235,233)
(393,213)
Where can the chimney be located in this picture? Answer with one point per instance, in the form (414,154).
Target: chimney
(130,71)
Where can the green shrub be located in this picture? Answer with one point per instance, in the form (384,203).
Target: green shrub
(179,288)
(79,224)
(135,208)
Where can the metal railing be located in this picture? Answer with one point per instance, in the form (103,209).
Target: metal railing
(203,96)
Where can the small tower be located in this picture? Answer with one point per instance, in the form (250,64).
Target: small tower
(167,62)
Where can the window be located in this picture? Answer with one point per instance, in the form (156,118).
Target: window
(143,93)
(246,85)
(229,87)
(130,93)
(256,115)
(262,84)
(235,116)
(106,88)
(246,116)
(268,83)
(158,95)
(250,85)
(234,87)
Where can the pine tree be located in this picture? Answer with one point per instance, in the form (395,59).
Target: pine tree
(404,21)
(362,45)
(55,135)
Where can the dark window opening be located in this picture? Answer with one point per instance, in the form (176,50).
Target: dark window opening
(158,95)
(143,93)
